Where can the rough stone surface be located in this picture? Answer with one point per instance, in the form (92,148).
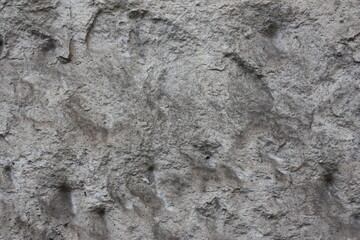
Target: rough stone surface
(188,119)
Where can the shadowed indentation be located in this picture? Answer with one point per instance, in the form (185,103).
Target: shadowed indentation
(8,173)
(270,28)
(229,173)
(1,45)
(98,229)
(176,184)
(209,209)
(145,192)
(150,174)
(161,233)
(50,44)
(86,125)
(61,207)
(137,14)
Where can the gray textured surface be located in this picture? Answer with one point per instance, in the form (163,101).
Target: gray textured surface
(179,119)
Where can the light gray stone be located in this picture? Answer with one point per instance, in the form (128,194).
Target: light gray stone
(148,119)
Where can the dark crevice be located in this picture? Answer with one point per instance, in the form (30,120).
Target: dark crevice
(137,14)
(49,45)
(1,45)
(328,178)
(150,174)
(100,211)
(151,168)
(270,28)
(7,170)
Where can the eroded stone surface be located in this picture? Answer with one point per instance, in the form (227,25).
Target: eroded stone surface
(146,119)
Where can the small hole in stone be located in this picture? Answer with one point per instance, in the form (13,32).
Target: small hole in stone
(207,157)
(64,188)
(100,211)
(329,178)
(151,168)
(49,45)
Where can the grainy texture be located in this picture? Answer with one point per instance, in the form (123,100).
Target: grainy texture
(164,119)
